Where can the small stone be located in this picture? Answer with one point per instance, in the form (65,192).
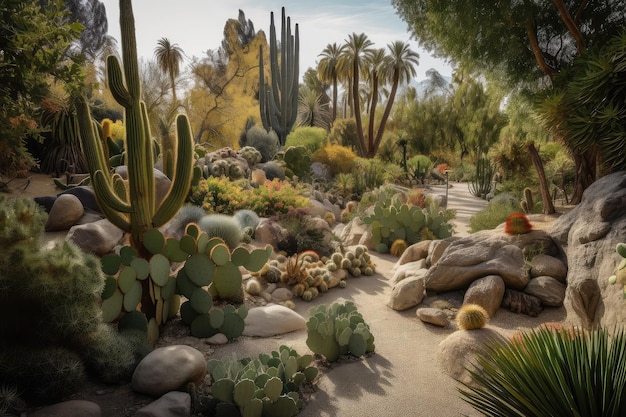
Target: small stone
(168,369)
(218,339)
(433,316)
(272,320)
(282,294)
(546,265)
(98,238)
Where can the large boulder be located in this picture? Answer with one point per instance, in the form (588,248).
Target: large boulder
(271,320)
(97,238)
(588,235)
(65,213)
(169,368)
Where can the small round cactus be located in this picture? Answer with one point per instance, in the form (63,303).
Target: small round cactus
(346,263)
(253,287)
(307,295)
(331,266)
(342,284)
(398,247)
(471,317)
(337,258)
(273,274)
(517,224)
(298,289)
(314,292)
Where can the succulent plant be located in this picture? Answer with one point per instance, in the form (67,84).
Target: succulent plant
(132,205)
(471,317)
(224,227)
(253,287)
(263,386)
(337,330)
(398,247)
(517,224)
(527,202)
(619,274)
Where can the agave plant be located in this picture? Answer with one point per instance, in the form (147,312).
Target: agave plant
(553,373)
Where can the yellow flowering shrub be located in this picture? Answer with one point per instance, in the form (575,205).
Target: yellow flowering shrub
(339,159)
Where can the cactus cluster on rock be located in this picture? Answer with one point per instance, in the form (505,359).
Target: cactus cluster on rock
(391,220)
(338,329)
(517,224)
(620,272)
(265,386)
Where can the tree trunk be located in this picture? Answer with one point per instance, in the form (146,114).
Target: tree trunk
(548,207)
(585,165)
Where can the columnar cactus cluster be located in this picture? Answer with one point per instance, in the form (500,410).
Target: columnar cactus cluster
(131,205)
(279,102)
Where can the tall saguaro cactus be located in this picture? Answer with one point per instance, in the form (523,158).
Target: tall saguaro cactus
(132,206)
(279,102)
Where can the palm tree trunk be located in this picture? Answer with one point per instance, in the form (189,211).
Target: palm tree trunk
(548,207)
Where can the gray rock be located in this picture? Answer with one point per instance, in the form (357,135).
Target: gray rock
(481,254)
(65,212)
(162,184)
(410,269)
(72,408)
(588,235)
(269,232)
(549,290)
(271,320)
(168,369)
(282,294)
(98,237)
(407,293)
(546,265)
(352,233)
(433,316)
(436,250)
(86,195)
(172,404)
(487,292)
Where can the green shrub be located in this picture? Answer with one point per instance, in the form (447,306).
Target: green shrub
(494,214)
(312,138)
(220,195)
(338,329)
(550,372)
(338,158)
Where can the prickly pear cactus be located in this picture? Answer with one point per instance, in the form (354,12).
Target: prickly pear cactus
(338,329)
(620,271)
(264,386)
(392,220)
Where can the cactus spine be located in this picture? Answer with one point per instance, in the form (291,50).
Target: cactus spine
(133,207)
(279,103)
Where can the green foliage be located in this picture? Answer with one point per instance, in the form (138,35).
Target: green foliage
(297,162)
(302,234)
(220,195)
(34,44)
(312,138)
(344,133)
(55,294)
(263,141)
(419,166)
(481,184)
(338,329)
(392,219)
(268,385)
(338,158)
(551,373)
(494,214)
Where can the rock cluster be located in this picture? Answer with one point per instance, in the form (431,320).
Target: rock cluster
(489,266)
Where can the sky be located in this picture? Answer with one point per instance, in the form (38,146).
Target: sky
(197,25)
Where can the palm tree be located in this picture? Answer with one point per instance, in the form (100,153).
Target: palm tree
(329,69)
(376,62)
(358,48)
(400,68)
(169,56)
